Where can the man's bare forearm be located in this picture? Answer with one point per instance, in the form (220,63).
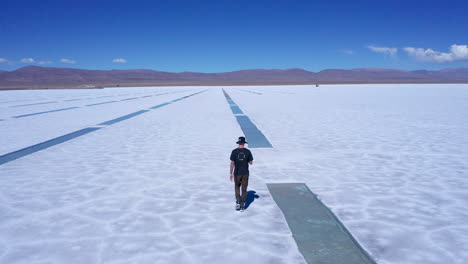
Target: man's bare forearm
(231,169)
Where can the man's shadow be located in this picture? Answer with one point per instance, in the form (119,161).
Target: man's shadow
(251,196)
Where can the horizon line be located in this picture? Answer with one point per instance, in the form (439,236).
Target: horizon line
(247,69)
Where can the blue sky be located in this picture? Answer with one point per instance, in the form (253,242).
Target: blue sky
(218,36)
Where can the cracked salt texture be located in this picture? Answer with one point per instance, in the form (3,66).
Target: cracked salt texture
(391,161)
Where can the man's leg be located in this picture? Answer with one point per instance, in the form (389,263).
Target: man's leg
(237,185)
(244,183)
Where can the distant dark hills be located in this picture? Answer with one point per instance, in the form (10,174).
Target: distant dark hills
(49,77)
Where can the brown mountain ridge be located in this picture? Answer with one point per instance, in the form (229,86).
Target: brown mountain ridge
(50,77)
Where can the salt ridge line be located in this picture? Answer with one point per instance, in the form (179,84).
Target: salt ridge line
(76,98)
(44,112)
(69,100)
(248,91)
(254,136)
(52,102)
(108,102)
(262,93)
(55,141)
(80,97)
(21,100)
(69,108)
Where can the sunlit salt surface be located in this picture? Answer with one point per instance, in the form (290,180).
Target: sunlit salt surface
(391,161)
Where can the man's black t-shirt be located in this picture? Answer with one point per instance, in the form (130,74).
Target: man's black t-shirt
(241,158)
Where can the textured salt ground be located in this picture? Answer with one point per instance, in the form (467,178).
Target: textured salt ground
(17,106)
(24,132)
(152,189)
(389,160)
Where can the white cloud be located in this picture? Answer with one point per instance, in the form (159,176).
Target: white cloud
(456,52)
(2,60)
(119,60)
(27,60)
(44,62)
(384,50)
(68,61)
(349,52)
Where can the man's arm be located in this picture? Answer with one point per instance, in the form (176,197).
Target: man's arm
(231,170)
(250,162)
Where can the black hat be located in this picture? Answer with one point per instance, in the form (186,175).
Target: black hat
(241,140)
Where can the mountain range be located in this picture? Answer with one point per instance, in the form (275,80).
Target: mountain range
(50,77)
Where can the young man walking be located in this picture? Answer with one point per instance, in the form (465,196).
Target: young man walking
(241,157)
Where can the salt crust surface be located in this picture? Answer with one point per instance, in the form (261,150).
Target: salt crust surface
(151,189)
(391,161)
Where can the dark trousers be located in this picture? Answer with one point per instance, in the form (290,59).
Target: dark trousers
(241,181)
